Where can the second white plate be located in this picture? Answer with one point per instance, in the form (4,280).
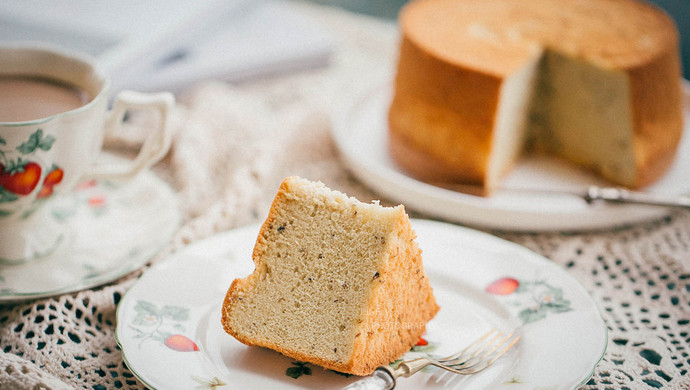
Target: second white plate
(360,131)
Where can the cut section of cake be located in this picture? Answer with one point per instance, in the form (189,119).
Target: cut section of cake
(338,283)
(481,82)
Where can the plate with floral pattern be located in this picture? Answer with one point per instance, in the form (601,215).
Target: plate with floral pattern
(112,229)
(171,337)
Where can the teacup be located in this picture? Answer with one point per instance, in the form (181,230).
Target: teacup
(53,119)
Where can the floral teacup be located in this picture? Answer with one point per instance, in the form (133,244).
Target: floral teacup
(41,157)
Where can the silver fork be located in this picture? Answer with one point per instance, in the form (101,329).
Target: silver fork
(477,356)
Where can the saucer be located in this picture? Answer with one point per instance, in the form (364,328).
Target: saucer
(114,228)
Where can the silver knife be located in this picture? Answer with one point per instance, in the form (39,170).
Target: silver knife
(620,195)
(591,195)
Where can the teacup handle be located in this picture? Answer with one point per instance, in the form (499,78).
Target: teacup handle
(155,146)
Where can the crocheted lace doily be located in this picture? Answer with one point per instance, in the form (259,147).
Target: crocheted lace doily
(232,147)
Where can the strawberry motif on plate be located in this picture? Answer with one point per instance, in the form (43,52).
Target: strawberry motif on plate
(180,343)
(533,300)
(503,286)
(161,324)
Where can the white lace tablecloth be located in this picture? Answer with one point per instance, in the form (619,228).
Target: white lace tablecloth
(232,147)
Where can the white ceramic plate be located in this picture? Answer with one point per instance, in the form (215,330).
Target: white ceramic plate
(538,195)
(113,229)
(171,337)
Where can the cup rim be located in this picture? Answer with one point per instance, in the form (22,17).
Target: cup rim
(67,55)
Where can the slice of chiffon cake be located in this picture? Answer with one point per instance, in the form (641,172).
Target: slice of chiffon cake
(338,283)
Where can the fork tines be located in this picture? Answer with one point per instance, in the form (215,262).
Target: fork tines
(480,354)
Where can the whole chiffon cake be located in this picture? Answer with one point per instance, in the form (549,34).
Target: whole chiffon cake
(479,83)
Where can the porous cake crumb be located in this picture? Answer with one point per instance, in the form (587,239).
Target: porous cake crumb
(338,283)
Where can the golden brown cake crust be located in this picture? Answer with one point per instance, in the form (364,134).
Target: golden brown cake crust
(657,116)
(408,319)
(427,98)
(408,309)
(497,36)
(450,73)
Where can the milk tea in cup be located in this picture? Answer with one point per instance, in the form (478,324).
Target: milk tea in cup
(25,98)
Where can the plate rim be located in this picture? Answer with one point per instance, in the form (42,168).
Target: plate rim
(170,258)
(178,256)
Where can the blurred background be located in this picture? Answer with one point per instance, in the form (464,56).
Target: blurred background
(169,44)
(388,9)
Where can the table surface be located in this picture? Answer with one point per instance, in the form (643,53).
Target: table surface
(232,146)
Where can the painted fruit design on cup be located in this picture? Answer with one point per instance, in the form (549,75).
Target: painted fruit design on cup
(53,178)
(21,171)
(20,177)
